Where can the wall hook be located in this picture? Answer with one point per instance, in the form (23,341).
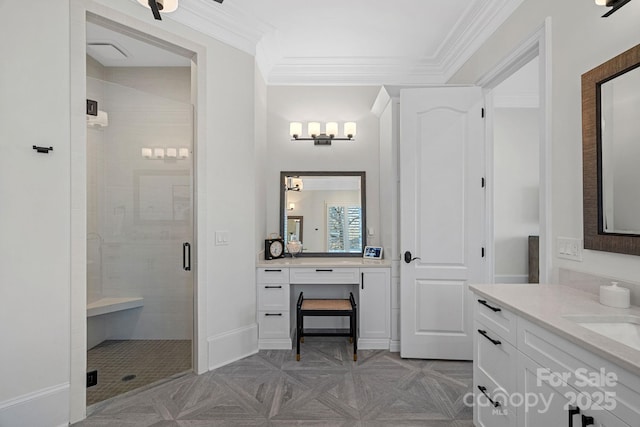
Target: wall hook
(44,150)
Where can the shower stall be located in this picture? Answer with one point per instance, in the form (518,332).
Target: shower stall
(139,227)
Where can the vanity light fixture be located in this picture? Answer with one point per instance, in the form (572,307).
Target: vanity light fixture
(319,138)
(292,206)
(613,4)
(293,184)
(147,153)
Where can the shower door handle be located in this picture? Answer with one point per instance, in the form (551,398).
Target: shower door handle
(186,256)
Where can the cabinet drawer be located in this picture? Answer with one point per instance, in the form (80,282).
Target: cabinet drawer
(496,358)
(273,296)
(501,321)
(328,275)
(273,275)
(484,413)
(565,358)
(273,324)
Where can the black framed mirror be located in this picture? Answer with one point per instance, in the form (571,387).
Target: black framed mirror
(611,150)
(333,205)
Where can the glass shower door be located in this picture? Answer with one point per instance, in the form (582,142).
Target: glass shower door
(140,213)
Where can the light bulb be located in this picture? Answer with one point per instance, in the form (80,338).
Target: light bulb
(332,128)
(295,129)
(313,128)
(350,129)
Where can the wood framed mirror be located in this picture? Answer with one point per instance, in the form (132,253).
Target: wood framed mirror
(611,152)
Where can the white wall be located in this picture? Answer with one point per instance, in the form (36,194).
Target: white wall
(308,103)
(580,40)
(44,207)
(36,210)
(259,159)
(516,189)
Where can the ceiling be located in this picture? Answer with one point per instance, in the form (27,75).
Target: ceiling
(353,42)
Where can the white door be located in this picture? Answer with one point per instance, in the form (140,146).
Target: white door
(441,213)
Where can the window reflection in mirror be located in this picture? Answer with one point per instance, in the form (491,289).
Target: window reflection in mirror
(332,205)
(620,151)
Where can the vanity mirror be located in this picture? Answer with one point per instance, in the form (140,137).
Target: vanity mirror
(333,206)
(611,151)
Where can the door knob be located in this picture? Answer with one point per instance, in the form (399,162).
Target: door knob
(408,258)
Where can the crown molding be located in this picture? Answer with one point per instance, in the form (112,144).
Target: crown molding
(228,23)
(236,27)
(472,31)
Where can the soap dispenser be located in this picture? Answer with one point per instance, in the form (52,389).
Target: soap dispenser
(615,296)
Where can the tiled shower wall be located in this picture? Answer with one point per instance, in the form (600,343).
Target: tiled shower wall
(139,210)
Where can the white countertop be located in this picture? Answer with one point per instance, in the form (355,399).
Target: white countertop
(545,305)
(335,262)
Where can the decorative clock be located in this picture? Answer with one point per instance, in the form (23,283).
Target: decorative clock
(273,248)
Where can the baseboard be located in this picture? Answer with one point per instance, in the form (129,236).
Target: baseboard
(271,344)
(511,278)
(373,344)
(394,346)
(233,345)
(46,407)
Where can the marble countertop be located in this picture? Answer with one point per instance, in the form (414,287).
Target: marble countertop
(545,305)
(324,262)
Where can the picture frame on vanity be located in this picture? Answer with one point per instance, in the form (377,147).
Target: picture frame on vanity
(372,252)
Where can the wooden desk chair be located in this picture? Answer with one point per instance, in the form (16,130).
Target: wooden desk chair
(327,307)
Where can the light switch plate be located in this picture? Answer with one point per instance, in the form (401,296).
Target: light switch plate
(222,238)
(570,248)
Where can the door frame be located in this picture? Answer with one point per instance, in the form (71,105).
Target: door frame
(538,45)
(79,11)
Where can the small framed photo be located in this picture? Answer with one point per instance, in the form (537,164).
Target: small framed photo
(372,252)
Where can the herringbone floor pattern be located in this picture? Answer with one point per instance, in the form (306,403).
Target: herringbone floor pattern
(326,388)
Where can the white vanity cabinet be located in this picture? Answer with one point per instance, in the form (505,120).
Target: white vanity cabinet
(538,377)
(374,316)
(278,289)
(273,308)
(495,360)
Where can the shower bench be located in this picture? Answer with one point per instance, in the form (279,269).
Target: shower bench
(111,305)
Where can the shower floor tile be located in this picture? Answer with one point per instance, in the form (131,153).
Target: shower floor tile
(125,365)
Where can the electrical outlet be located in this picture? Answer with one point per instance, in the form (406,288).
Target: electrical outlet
(569,248)
(92,378)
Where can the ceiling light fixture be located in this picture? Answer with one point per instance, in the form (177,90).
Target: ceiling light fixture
(319,138)
(613,4)
(164,6)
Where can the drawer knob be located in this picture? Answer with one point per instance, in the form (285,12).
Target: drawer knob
(486,335)
(273,287)
(494,309)
(273,271)
(328,270)
(273,314)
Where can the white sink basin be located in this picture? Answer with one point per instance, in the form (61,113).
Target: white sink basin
(622,328)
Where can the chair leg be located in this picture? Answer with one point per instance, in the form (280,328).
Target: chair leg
(354,335)
(298,333)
